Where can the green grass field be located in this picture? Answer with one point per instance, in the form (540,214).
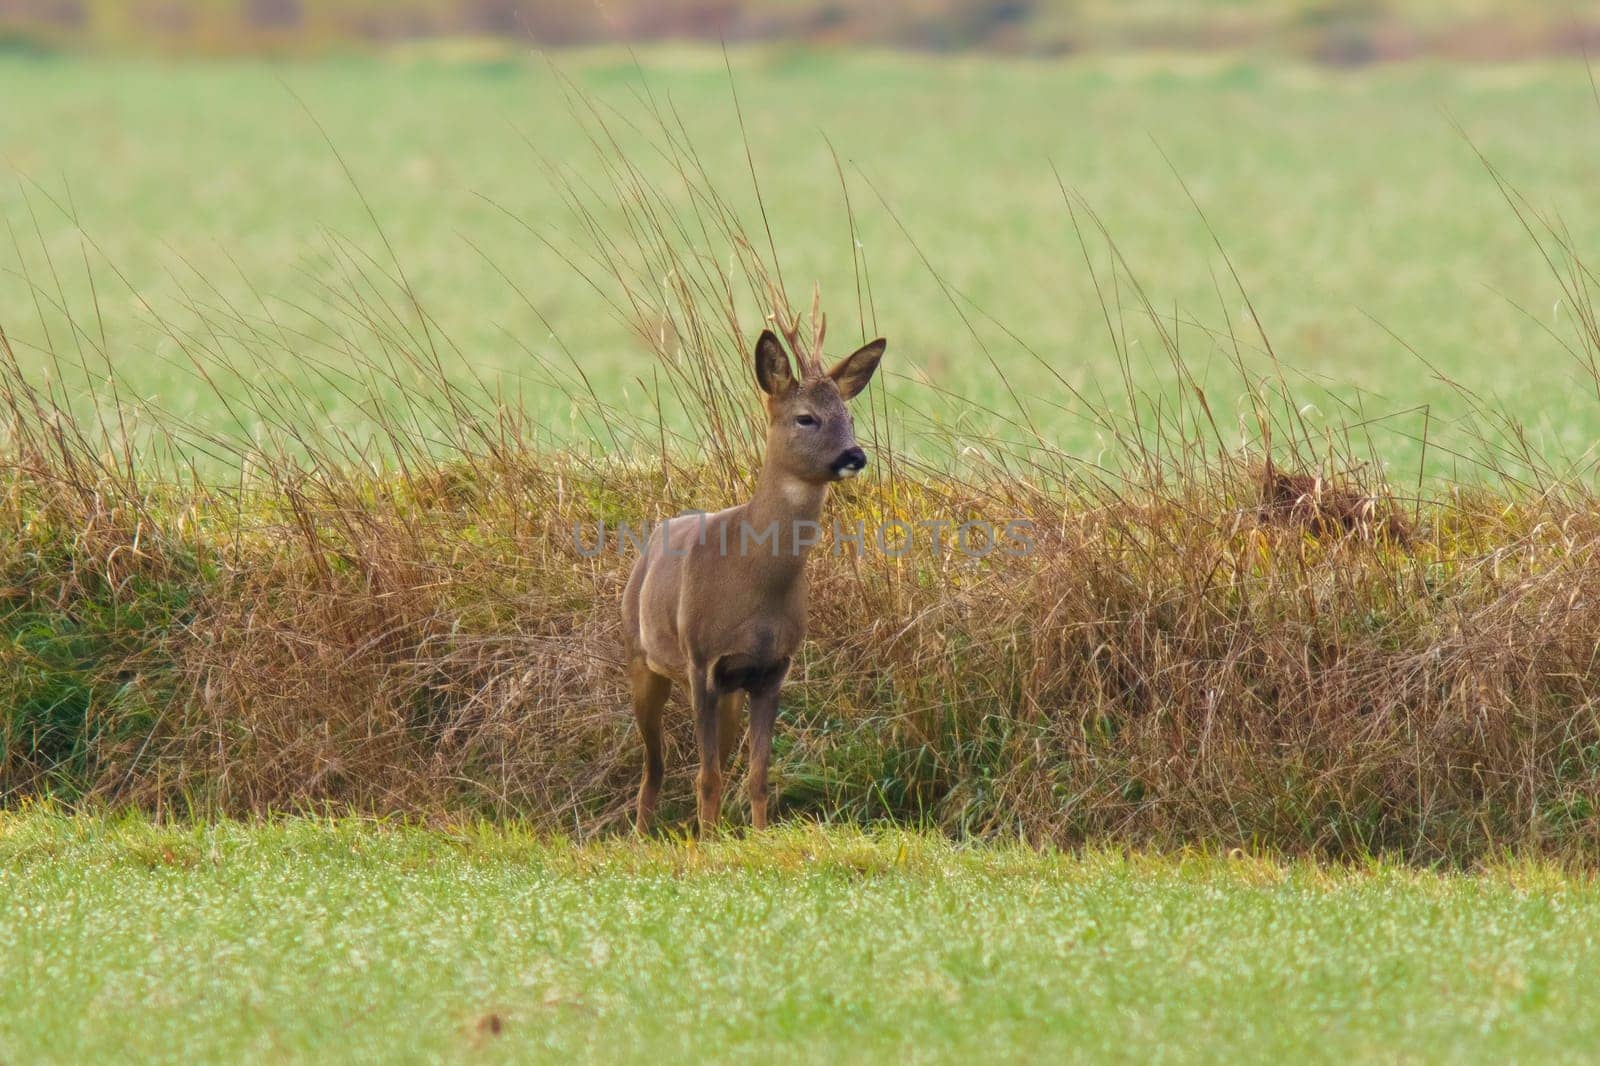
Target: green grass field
(1340,195)
(317,941)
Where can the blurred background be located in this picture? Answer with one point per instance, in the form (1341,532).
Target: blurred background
(171,157)
(1333,31)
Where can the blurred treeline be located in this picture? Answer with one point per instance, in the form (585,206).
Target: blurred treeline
(1335,31)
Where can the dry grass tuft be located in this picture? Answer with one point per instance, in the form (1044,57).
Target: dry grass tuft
(1310,503)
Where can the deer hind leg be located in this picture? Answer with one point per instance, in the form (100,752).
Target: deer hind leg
(707,734)
(729,728)
(650,691)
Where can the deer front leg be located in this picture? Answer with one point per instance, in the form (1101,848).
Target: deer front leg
(763,717)
(708,783)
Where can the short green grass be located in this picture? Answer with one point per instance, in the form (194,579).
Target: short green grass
(306,940)
(1340,195)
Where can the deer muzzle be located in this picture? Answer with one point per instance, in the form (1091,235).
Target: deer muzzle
(850,463)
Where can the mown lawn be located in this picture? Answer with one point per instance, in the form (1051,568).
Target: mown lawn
(305,940)
(1340,195)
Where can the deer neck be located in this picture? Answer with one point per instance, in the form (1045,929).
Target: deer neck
(787,502)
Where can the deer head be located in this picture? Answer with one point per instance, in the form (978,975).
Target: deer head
(810,434)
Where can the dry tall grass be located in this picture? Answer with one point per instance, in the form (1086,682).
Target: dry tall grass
(1256,643)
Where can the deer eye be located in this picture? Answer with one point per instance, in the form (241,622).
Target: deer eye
(805,420)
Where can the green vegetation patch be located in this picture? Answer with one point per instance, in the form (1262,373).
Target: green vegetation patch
(310,940)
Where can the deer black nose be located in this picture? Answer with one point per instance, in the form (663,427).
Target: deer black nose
(850,463)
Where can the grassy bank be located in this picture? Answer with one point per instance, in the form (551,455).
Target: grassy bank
(333,941)
(1223,659)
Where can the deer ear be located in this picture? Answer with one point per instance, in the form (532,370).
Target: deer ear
(772,365)
(853,372)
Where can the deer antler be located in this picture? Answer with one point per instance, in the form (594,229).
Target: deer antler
(788,324)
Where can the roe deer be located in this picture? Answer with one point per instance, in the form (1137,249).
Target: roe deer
(716,601)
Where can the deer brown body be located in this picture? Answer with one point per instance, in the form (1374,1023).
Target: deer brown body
(718,601)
